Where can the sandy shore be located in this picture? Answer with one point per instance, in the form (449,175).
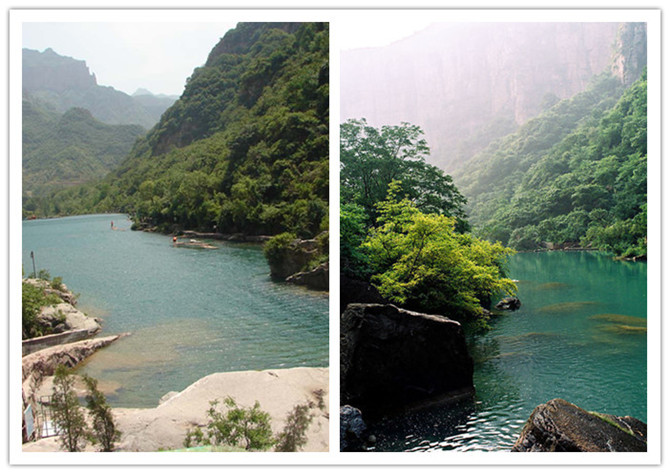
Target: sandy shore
(277,391)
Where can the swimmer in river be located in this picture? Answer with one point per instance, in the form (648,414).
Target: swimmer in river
(112,224)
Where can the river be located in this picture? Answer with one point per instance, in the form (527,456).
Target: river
(191,312)
(579,335)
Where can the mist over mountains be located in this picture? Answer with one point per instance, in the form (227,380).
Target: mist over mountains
(468,84)
(64,83)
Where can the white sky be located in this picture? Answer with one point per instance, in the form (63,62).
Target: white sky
(161,56)
(155,56)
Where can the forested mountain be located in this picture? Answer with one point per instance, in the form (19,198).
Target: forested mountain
(65,83)
(69,149)
(244,149)
(467,84)
(576,173)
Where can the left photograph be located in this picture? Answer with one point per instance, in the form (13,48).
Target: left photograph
(175,183)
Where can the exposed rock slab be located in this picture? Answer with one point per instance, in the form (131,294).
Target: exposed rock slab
(277,391)
(391,357)
(559,426)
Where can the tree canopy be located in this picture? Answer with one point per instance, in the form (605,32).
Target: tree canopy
(420,261)
(371,158)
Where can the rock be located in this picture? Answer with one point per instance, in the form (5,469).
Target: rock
(559,426)
(70,317)
(510,303)
(315,279)
(293,258)
(357,291)
(352,428)
(391,357)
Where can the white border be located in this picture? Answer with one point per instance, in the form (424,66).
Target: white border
(337,19)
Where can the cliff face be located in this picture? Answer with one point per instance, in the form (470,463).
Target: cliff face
(454,80)
(64,83)
(52,72)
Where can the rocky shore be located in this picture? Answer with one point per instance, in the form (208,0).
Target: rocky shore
(278,391)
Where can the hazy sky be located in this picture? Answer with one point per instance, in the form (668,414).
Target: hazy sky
(160,56)
(155,56)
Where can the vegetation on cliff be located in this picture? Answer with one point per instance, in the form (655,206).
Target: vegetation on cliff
(410,243)
(245,149)
(67,150)
(577,173)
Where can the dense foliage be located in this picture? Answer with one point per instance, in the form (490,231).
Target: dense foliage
(418,260)
(245,149)
(576,173)
(33,299)
(402,227)
(371,158)
(70,149)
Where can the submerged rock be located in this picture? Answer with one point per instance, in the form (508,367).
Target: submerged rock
(620,319)
(391,357)
(559,426)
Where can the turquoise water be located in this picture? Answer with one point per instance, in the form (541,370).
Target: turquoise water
(577,336)
(191,312)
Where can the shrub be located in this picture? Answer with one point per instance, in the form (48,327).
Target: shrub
(293,435)
(250,426)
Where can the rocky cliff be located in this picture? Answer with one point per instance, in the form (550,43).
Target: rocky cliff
(466,84)
(64,83)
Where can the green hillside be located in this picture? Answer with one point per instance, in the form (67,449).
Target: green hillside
(576,173)
(69,149)
(244,149)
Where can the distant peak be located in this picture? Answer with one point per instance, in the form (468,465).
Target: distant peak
(142,91)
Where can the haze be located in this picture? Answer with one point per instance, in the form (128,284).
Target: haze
(128,56)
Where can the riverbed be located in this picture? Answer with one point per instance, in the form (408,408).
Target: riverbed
(191,312)
(579,335)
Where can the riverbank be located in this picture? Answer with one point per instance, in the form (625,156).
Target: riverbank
(164,427)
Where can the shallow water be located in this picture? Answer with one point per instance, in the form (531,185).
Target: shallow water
(579,335)
(191,312)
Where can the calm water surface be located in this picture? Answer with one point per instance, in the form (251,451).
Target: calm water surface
(191,312)
(579,335)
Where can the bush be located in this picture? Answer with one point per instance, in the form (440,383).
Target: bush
(293,435)
(276,248)
(250,426)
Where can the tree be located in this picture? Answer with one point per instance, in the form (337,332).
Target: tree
(104,430)
(251,426)
(293,435)
(68,416)
(420,261)
(371,158)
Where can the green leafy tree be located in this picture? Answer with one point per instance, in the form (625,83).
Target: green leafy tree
(68,415)
(420,261)
(248,426)
(103,430)
(372,158)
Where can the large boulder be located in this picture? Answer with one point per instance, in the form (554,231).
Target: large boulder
(352,428)
(315,279)
(510,303)
(392,357)
(559,426)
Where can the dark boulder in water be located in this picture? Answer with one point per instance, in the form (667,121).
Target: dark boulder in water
(394,358)
(509,303)
(559,426)
(352,428)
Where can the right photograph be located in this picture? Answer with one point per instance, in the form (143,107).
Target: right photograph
(493,239)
